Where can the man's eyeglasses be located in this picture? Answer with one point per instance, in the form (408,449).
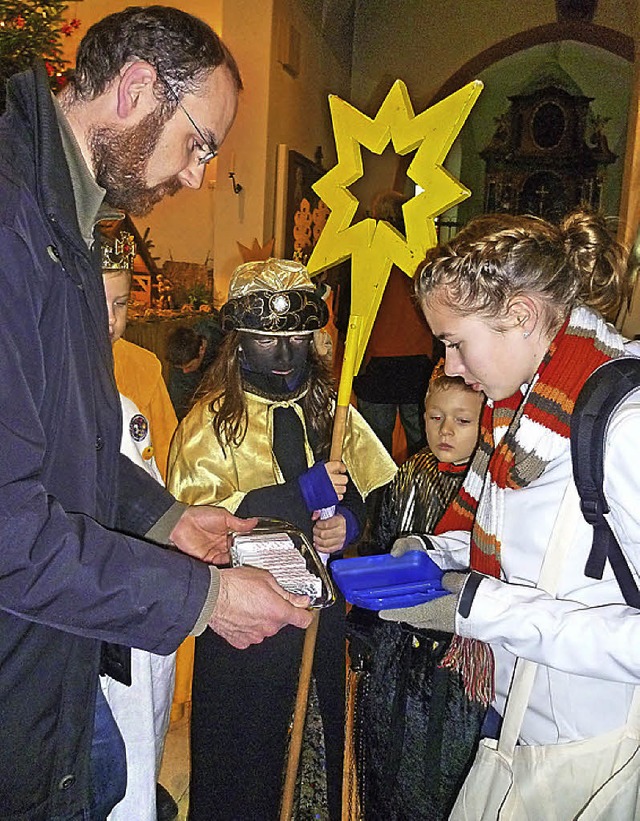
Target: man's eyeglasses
(207,153)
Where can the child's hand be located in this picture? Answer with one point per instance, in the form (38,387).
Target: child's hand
(323,485)
(337,472)
(329,534)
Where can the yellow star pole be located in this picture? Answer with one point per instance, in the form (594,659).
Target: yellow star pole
(374,246)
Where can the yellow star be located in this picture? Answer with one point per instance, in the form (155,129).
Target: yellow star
(432,133)
(374,246)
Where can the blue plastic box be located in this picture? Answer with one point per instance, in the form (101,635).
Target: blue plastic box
(386,582)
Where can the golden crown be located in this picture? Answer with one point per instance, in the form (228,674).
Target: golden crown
(118,253)
(273,296)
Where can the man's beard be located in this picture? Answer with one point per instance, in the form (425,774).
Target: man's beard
(120,162)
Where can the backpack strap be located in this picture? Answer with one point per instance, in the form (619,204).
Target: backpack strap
(602,393)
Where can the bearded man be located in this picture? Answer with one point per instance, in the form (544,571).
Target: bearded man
(153,97)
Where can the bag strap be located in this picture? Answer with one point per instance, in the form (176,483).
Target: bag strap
(524,672)
(633,717)
(602,394)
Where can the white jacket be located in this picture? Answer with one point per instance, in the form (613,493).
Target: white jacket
(586,640)
(141,711)
(136,438)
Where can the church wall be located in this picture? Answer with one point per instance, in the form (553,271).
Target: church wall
(422,43)
(425,49)
(181,227)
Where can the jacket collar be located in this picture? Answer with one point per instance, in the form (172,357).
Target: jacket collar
(88,195)
(31,107)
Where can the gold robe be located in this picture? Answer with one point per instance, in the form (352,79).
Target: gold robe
(201,472)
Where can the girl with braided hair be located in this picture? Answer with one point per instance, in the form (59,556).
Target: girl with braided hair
(521,312)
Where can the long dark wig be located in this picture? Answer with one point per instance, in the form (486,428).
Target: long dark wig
(223,383)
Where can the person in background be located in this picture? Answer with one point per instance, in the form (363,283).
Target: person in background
(191,350)
(397,362)
(141,709)
(521,310)
(417,730)
(138,371)
(153,96)
(257,441)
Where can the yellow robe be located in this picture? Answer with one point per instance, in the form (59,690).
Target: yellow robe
(139,377)
(202,472)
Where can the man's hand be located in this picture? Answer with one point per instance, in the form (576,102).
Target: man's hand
(204,531)
(251,606)
(329,534)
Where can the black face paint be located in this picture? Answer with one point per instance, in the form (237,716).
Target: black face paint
(283,357)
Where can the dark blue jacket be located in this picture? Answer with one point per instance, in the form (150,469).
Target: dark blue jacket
(67,580)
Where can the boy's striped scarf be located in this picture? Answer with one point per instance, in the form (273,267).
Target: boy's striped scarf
(519,437)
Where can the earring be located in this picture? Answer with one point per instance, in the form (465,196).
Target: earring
(526,334)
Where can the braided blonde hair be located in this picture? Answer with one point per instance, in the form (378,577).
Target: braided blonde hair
(497,257)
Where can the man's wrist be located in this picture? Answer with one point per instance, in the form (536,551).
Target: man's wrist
(209,604)
(161,531)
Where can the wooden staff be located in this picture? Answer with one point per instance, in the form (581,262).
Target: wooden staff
(373,247)
(308,651)
(350,788)
(299,717)
(364,304)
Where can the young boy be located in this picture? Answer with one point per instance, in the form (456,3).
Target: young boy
(416,730)
(138,373)
(141,710)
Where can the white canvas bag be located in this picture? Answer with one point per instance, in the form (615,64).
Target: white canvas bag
(596,778)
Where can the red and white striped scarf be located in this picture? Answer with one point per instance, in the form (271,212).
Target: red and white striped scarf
(519,437)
